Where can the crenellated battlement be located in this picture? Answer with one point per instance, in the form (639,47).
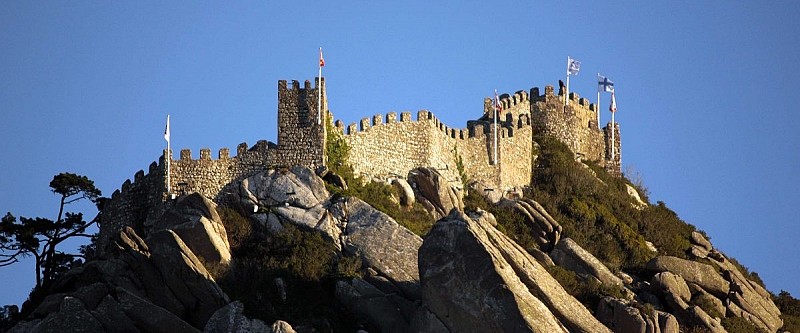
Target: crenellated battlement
(381,146)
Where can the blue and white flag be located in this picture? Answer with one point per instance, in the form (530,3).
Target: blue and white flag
(604,84)
(573,66)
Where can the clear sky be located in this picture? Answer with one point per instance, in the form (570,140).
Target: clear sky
(705,90)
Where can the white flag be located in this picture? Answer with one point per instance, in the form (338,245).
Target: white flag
(573,66)
(604,84)
(166,130)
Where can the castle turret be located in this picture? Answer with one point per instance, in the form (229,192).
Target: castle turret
(301,130)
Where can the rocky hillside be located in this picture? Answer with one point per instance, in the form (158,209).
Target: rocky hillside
(307,251)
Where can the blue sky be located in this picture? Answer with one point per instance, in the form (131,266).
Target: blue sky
(706,92)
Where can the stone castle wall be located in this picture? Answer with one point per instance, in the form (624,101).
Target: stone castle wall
(387,147)
(139,203)
(575,125)
(382,147)
(301,133)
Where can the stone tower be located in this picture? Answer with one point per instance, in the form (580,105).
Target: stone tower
(301,132)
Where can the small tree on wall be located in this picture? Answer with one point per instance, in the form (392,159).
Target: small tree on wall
(337,152)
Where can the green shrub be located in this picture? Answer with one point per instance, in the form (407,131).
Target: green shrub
(595,210)
(237,226)
(790,311)
(588,291)
(308,265)
(337,151)
(739,325)
(349,267)
(708,306)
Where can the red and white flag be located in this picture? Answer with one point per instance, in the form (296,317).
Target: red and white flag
(497,104)
(321,59)
(613,106)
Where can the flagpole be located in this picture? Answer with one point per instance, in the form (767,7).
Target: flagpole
(566,94)
(597,107)
(494,107)
(168,157)
(319,90)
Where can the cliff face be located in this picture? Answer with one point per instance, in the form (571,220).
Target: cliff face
(289,247)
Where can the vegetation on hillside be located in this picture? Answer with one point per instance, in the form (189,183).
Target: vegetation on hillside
(381,196)
(790,311)
(301,266)
(600,215)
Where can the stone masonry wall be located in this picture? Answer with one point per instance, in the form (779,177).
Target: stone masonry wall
(381,147)
(301,134)
(134,203)
(388,149)
(575,125)
(139,203)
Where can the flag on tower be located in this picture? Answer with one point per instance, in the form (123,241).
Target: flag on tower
(497,104)
(613,106)
(604,84)
(573,66)
(321,59)
(166,130)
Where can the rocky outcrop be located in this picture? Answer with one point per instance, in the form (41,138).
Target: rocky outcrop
(570,255)
(699,292)
(546,230)
(152,285)
(748,299)
(474,278)
(434,191)
(388,251)
(231,319)
(407,197)
(673,288)
(701,274)
(195,220)
(186,277)
(389,313)
(298,187)
(381,243)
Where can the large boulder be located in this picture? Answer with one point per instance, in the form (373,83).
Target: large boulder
(698,239)
(231,319)
(474,278)
(407,197)
(297,187)
(622,318)
(673,288)
(572,256)
(157,285)
(184,274)
(433,188)
(72,316)
(386,312)
(195,219)
(112,316)
(150,317)
(297,196)
(701,274)
(748,299)
(381,243)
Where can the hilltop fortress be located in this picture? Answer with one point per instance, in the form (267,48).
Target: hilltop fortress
(381,147)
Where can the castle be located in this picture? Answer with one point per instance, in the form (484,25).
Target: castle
(381,147)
